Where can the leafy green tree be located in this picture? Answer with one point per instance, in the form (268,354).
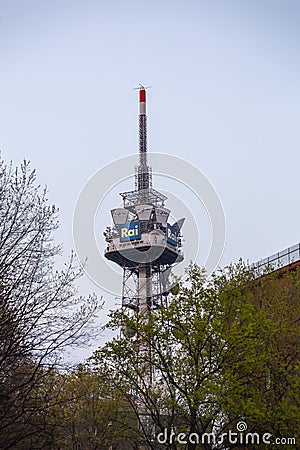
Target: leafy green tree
(225,350)
(85,413)
(263,373)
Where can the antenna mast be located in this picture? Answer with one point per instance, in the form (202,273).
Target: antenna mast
(144,179)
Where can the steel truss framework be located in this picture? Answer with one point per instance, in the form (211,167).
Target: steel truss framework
(157,280)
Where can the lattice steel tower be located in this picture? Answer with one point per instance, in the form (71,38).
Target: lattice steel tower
(141,240)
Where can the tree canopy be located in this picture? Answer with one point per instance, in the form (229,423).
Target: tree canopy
(225,351)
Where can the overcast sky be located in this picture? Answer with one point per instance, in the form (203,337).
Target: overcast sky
(225,96)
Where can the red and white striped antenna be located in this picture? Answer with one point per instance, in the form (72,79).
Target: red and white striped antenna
(142,99)
(144,178)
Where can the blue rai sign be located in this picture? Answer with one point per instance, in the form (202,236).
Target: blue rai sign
(130,231)
(172,235)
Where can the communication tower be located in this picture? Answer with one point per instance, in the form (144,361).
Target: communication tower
(141,240)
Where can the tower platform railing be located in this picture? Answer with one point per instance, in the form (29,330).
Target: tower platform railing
(281,259)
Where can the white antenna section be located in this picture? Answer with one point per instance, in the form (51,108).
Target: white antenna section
(119,215)
(162,214)
(144,211)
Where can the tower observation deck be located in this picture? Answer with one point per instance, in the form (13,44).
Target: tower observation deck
(141,240)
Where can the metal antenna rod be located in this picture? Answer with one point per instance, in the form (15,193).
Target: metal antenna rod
(144,181)
(142,127)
